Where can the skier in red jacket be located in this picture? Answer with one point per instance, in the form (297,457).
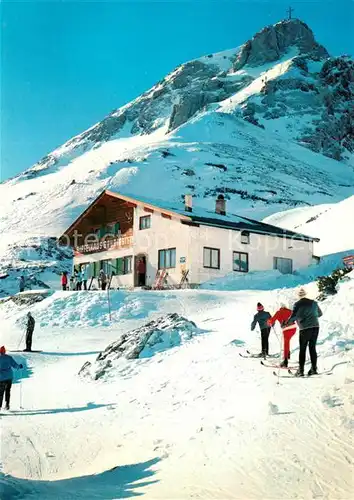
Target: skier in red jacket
(288,330)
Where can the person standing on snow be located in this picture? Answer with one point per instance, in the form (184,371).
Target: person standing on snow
(289,331)
(261,318)
(21,283)
(141,269)
(102,279)
(6,376)
(84,275)
(64,281)
(78,279)
(29,333)
(306,313)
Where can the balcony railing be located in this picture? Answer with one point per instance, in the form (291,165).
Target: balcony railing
(105,244)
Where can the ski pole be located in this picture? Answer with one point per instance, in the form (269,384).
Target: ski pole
(109,304)
(18,347)
(280,345)
(21,407)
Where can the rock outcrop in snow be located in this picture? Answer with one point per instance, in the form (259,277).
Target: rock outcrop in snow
(321,101)
(272,42)
(156,336)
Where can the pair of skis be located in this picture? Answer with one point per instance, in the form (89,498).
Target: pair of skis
(291,371)
(258,356)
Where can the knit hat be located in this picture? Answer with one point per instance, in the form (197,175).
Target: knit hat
(302,293)
(2,350)
(260,307)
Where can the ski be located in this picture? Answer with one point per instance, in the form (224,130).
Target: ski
(251,355)
(291,374)
(277,366)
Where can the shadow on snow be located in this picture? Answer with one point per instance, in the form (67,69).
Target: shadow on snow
(60,354)
(119,482)
(89,406)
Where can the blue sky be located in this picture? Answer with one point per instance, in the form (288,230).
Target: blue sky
(65,65)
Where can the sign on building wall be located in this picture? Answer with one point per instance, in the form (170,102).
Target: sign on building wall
(182,260)
(349,261)
(105,244)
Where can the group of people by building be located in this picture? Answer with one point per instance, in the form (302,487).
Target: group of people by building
(79,279)
(305,316)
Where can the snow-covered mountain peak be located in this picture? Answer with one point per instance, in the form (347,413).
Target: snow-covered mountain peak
(272,42)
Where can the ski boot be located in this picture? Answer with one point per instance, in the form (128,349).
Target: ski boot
(312,371)
(299,373)
(284,364)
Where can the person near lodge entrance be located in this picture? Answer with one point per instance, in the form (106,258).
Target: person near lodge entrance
(141,270)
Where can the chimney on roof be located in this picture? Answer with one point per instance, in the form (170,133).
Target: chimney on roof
(188,205)
(220,205)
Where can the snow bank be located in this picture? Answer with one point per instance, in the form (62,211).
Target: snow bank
(89,309)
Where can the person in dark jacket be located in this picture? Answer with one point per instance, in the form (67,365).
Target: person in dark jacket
(102,279)
(306,313)
(6,376)
(141,269)
(22,283)
(29,333)
(78,279)
(262,318)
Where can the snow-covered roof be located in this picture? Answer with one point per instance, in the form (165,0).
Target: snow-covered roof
(203,217)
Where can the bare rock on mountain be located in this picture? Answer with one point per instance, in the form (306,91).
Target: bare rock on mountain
(156,336)
(272,42)
(186,108)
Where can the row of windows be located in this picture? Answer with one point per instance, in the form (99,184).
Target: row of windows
(211,259)
(167,260)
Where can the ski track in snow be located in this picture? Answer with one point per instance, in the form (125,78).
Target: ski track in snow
(208,423)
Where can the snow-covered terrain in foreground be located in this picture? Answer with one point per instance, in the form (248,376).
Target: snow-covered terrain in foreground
(195,421)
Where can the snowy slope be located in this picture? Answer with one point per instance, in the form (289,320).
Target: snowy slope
(196,421)
(332,223)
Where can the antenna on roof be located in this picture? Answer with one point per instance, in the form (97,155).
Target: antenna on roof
(289,12)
